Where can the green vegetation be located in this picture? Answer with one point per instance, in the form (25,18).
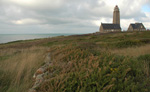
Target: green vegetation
(113,62)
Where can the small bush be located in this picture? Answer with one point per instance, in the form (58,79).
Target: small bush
(144,57)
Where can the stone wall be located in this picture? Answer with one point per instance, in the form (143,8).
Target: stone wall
(40,74)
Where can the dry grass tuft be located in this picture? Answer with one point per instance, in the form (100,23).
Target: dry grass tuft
(20,64)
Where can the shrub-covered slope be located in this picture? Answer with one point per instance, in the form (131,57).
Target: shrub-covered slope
(88,64)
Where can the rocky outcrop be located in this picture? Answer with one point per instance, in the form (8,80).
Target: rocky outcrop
(39,76)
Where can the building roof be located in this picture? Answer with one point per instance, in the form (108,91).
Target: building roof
(137,26)
(110,26)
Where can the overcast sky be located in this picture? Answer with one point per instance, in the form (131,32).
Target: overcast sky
(68,16)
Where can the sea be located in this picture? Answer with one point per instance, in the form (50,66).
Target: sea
(5,38)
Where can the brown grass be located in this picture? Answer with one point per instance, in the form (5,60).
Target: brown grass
(133,51)
(21,64)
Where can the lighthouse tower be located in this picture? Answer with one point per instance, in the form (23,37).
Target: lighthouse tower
(116,15)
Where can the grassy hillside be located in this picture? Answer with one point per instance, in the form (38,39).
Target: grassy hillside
(113,62)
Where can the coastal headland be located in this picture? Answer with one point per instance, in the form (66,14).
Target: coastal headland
(96,62)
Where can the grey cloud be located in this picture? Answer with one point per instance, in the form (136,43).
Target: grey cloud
(35,4)
(132,9)
(71,14)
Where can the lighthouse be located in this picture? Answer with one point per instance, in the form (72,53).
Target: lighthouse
(116,15)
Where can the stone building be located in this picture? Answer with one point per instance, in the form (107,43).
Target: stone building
(115,27)
(106,27)
(136,27)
